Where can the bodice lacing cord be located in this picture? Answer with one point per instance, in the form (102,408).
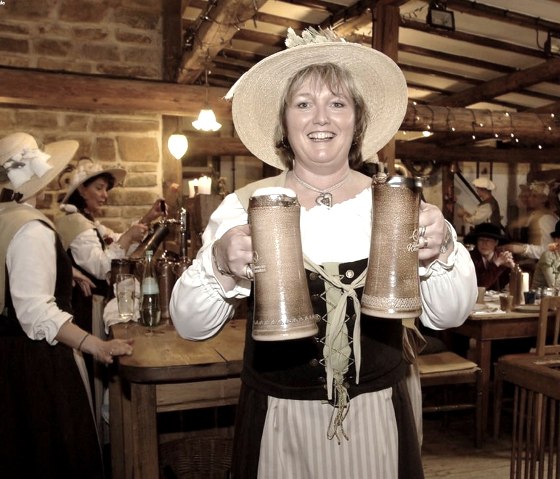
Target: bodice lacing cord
(337,350)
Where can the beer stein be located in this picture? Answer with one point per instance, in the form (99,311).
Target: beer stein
(392,288)
(282,307)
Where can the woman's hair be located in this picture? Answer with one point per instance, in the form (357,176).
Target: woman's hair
(338,80)
(77,199)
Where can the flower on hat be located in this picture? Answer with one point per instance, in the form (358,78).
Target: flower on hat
(539,188)
(310,35)
(21,167)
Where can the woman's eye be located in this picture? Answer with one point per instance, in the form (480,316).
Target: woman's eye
(302,104)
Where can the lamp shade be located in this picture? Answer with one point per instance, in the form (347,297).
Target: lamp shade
(206,121)
(178,145)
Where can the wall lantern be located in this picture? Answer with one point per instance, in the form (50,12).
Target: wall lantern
(552,44)
(440,17)
(177,144)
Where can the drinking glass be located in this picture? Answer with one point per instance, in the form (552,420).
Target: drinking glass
(125,296)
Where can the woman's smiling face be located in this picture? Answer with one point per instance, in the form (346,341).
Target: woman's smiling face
(320,123)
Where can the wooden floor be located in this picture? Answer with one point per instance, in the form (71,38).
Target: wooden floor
(448,451)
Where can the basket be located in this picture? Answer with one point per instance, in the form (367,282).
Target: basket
(204,456)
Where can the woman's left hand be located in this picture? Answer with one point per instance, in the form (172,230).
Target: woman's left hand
(433,233)
(85,284)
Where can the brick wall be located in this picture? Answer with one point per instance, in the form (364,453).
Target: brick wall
(120,38)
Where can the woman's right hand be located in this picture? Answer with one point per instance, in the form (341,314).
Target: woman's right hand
(134,234)
(233,253)
(105,351)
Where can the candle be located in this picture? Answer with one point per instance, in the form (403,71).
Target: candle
(525,285)
(193,185)
(204,185)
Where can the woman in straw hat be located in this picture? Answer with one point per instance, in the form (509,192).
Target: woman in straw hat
(317,111)
(538,224)
(92,245)
(47,423)
(547,270)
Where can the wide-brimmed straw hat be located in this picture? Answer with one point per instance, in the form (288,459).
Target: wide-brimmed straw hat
(26,169)
(87,170)
(256,95)
(486,230)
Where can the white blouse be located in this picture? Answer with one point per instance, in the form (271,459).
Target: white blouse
(31,263)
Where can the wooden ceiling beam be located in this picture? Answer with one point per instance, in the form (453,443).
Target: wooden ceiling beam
(40,89)
(471,39)
(407,150)
(511,17)
(214,34)
(513,82)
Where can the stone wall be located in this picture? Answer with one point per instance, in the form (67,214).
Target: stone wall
(120,38)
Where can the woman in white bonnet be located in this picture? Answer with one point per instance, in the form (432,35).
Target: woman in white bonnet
(317,111)
(47,422)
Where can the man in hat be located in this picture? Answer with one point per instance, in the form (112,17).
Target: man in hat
(492,267)
(337,404)
(488,210)
(47,423)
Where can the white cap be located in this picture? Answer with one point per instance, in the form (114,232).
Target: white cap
(484,183)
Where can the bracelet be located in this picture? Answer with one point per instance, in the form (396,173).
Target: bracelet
(446,240)
(82,341)
(218,267)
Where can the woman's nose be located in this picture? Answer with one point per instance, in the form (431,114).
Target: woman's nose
(321,116)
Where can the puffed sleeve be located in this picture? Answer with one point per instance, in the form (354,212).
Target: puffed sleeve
(448,290)
(199,305)
(89,254)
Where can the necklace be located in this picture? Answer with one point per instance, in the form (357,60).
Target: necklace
(325,196)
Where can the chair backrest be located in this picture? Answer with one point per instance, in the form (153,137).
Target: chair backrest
(549,326)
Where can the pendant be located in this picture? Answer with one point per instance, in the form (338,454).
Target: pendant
(324,199)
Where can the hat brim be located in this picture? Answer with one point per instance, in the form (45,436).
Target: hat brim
(61,152)
(472,238)
(256,99)
(117,173)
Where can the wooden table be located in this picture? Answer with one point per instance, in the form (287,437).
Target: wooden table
(485,328)
(166,373)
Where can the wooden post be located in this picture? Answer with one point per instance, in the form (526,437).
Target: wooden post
(200,208)
(386,40)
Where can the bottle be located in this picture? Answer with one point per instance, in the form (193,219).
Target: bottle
(150,311)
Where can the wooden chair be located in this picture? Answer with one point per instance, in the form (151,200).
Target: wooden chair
(448,369)
(549,308)
(536,410)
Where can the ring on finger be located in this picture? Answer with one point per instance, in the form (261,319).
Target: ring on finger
(424,243)
(421,230)
(111,352)
(249,272)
